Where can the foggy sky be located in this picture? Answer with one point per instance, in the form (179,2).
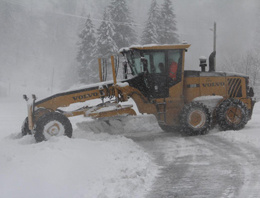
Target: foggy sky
(237,32)
(236,26)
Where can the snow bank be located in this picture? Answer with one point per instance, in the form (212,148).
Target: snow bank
(104,166)
(88,165)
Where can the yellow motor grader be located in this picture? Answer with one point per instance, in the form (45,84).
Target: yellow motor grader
(191,101)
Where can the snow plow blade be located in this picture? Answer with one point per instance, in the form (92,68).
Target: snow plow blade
(111,111)
(121,124)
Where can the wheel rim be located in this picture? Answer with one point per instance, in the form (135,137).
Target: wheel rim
(53,128)
(197,119)
(234,115)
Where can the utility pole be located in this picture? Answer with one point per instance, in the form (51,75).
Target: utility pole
(214,41)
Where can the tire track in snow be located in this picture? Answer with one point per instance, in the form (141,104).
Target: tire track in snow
(203,166)
(247,157)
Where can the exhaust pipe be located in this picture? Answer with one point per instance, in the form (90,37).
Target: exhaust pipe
(212,66)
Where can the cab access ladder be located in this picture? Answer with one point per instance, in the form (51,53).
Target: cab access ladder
(161,112)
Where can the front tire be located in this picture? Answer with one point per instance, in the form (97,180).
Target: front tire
(195,119)
(232,114)
(52,124)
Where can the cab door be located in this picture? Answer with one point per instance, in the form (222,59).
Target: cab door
(175,101)
(156,78)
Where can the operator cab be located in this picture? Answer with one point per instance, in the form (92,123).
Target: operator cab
(155,68)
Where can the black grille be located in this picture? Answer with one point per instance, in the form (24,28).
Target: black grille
(234,87)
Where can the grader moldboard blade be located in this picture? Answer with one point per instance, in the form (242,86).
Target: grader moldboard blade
(121,124)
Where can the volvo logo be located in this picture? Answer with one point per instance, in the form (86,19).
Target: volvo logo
(85,96)
(213,84)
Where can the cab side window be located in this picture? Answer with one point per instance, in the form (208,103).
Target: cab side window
(159,62)
(156,62)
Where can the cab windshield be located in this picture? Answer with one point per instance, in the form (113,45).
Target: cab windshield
(157,61)
(134,60)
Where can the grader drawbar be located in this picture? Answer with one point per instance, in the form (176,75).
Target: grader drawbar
(190,101)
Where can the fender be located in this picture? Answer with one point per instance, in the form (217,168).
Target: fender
(210,101)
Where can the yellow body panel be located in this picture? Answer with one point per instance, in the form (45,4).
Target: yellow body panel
(144,106)
(204,86)
(64,100)
(212,86)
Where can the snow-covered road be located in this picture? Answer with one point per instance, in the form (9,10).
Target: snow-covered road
(220,164)
(204,166)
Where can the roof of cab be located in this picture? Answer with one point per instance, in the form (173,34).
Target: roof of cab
(155,47)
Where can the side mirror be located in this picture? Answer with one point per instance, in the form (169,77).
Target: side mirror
(251,92)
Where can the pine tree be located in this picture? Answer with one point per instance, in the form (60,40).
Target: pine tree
(105,43)
(151,31)
(168,24)
(123,23)
(85,53)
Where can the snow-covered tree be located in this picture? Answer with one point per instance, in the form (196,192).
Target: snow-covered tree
(123,23)
(151,31)
(247,64)
(168,24)
(250,62)
(105,37)
(85,53)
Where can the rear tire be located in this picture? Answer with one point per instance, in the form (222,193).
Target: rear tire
(232,114)
(52,124)
(195,119)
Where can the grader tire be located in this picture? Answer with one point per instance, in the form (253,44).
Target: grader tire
(25,128)
(232,114)
(52,124)
(195,119)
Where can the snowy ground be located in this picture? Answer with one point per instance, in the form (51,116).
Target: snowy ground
(88,165)
(219,164)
